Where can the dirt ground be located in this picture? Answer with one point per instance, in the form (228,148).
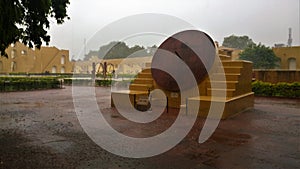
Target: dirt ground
(40,129)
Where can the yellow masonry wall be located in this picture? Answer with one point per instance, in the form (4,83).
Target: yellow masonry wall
(287,53)
(22,59)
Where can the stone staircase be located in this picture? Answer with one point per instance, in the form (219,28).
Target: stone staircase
(143,81)
(236,75)
(140,87)
(236,85)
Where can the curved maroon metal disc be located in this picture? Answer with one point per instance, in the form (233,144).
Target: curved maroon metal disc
(193,47)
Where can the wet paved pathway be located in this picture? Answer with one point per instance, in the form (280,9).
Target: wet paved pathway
(40,129)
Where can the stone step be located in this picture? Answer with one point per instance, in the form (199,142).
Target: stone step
(204,106)
(235,63)
(228,76)
(232,69)
(232,105)
(140,87)
(224,57)
(123,95)
(146,70)
(220,84)
(144,75)
(220,92)
(143,81)
(148,65)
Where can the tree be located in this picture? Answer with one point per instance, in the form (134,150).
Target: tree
(28,21)
(115,50)
(238,42)
(262,57)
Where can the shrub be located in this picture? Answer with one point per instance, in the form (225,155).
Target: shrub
(28,83)
(104,82)
(281,89)
(87,82)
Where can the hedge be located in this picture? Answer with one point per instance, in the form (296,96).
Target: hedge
(87,82)
(260,88)
(8,84)
(281,89)
(40,74)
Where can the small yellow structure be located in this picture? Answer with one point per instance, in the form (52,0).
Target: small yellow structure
(238,77)
(234,53)
(290,57)
(22,59)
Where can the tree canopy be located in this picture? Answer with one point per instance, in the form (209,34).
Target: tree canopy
(115,50)
(238,42)
(29,21)
(262,57)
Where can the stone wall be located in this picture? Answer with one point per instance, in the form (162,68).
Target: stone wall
(275,76)
(22,59)
(288,55)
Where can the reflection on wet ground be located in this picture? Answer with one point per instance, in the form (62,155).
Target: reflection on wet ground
(40,129)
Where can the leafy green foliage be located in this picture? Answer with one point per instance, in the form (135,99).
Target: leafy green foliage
(262,57)
(238,42)
(281,89)
(28,21)
(87,82)
(26,84)
(103,82)
(115,50)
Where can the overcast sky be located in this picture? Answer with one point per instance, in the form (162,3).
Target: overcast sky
(265,21)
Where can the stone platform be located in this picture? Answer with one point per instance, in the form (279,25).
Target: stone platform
(228,83)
